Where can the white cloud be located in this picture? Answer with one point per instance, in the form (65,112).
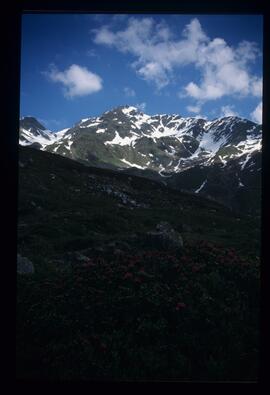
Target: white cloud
(200,116)
(129,92)
(141,106)
(156,54)
(163,31)
(223,69)
(257,87)
(256,115)
(227,111)
(247,51)
(104,36)
(76,80)
(153,71)
(195,109)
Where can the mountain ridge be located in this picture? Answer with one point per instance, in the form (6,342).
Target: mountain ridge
(169,147)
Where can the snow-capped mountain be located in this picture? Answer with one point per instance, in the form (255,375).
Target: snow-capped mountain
(32,133)
(181,151)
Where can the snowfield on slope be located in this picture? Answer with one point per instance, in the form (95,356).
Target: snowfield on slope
(173,136)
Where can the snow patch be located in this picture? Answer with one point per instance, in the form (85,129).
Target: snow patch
(208,142)
(61,133)
(68,145)
(222,160)
(30,138)
(128,110)
(240,183)
(243,164)
(118,140)
(161,170)
(84,120)
(89,125)
(132,164)
(201,187)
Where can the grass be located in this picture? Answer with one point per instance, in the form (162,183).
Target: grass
(128,312)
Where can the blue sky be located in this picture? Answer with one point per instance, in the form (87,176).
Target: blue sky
(75,66)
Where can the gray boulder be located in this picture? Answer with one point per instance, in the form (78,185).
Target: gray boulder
(165,238)
(24,265)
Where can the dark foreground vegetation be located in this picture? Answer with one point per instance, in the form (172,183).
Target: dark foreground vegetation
(104,304)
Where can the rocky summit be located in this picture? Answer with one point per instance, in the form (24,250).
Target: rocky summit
(220,159)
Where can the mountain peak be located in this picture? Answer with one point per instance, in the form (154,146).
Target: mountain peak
(127,109)
(164,142)
(121,110)
(31,122)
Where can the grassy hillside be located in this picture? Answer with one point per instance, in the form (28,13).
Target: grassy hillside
(103,304)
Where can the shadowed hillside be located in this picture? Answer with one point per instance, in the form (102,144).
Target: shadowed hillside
(132,280)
